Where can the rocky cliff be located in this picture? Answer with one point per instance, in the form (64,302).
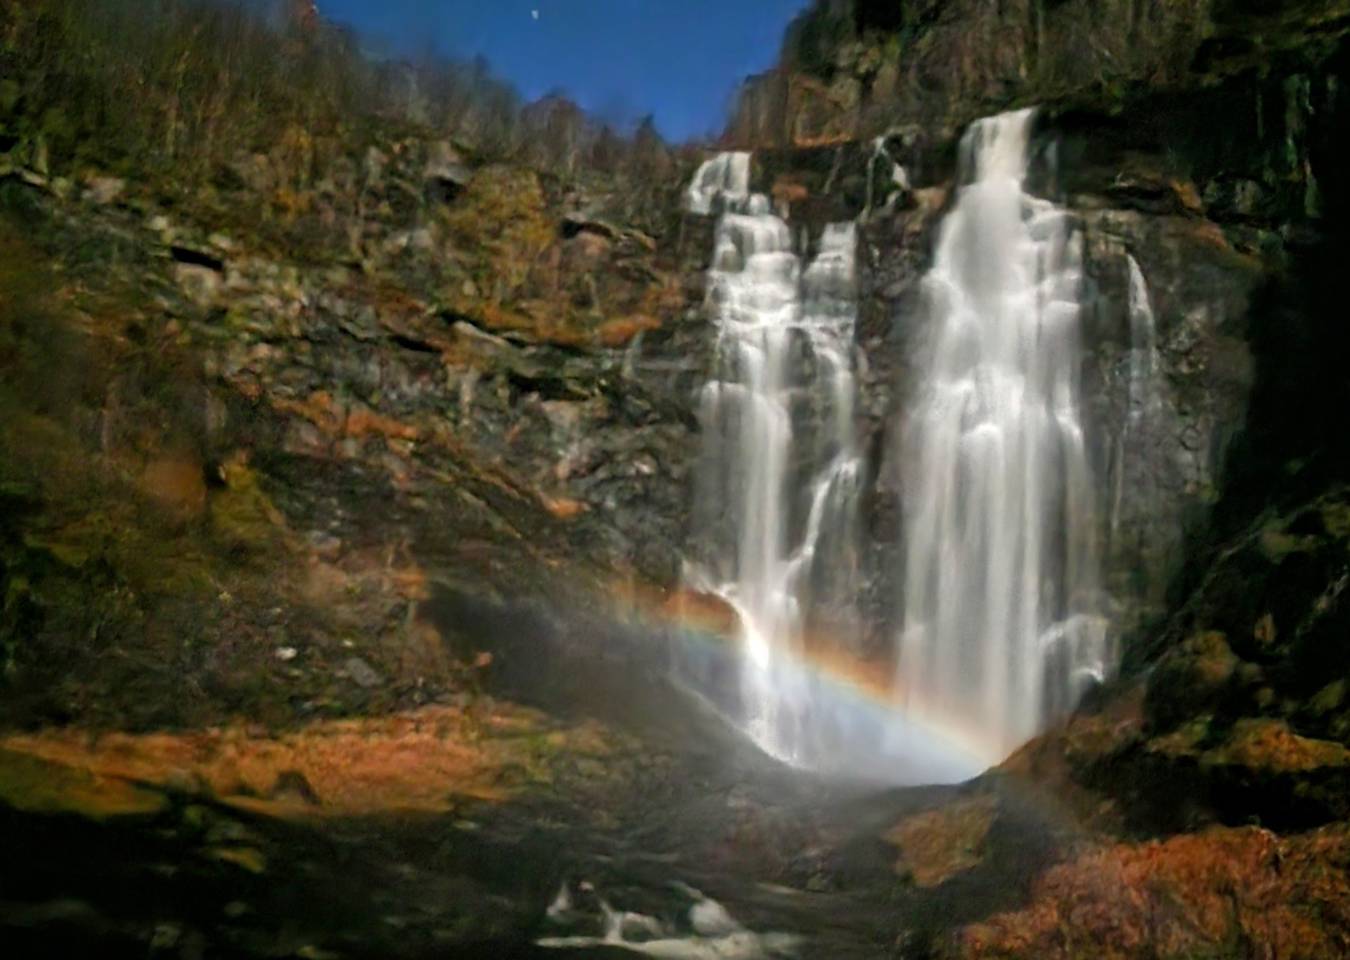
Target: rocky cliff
(302,435)
(328,369)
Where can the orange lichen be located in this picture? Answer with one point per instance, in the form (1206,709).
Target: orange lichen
(319,408)
(246,858)
(363,423)
(538,320)
(325,412)
(1083,738)
(1224,892)
(822,140)
(409,582)
(564,508)
(618,333)
(1187,195)
(1051,765)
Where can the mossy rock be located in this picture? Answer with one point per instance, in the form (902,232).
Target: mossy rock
(1191,680)
(1266,745)
(242,515)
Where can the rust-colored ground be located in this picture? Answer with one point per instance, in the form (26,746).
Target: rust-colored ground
(1226,892)
(426,760)
(936,845)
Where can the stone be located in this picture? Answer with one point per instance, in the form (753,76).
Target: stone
(361,673)
(200,283)
(1190,680)
(105,190)
(446,174)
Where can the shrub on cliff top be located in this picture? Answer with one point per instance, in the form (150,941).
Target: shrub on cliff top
(185,86)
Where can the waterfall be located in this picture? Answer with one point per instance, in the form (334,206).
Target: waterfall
(1143,399)
(897,176)
(1000,621)
(1144,362)
(726,177)
(779,474)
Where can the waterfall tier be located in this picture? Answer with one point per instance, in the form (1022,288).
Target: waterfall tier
(779,477)
(1001,628)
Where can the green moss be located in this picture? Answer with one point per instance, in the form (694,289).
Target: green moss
(242,515)
(1186,741)
(1328,699)
(1272,747)
(10,91)
(1336,519)
(1277,544)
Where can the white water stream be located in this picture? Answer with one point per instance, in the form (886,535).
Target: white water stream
(1001,627)
(780,470)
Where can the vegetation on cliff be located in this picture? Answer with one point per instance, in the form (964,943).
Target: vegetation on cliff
(234,247)
(323,373)
(184,86)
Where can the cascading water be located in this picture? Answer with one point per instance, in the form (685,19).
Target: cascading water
(1000,627)
(725,178)
(897,176)
(779,475)
(1144,399)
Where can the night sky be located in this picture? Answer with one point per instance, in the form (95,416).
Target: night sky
(680,60)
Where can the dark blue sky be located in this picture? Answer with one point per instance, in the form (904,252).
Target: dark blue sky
(620,59)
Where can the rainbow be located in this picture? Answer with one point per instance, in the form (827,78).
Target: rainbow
(869,732)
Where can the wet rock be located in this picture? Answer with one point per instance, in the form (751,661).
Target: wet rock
(166,937)
(1190,680)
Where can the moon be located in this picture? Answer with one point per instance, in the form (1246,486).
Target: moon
(535,14)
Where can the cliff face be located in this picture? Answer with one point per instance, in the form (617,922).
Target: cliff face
(857,68)
(283,411)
